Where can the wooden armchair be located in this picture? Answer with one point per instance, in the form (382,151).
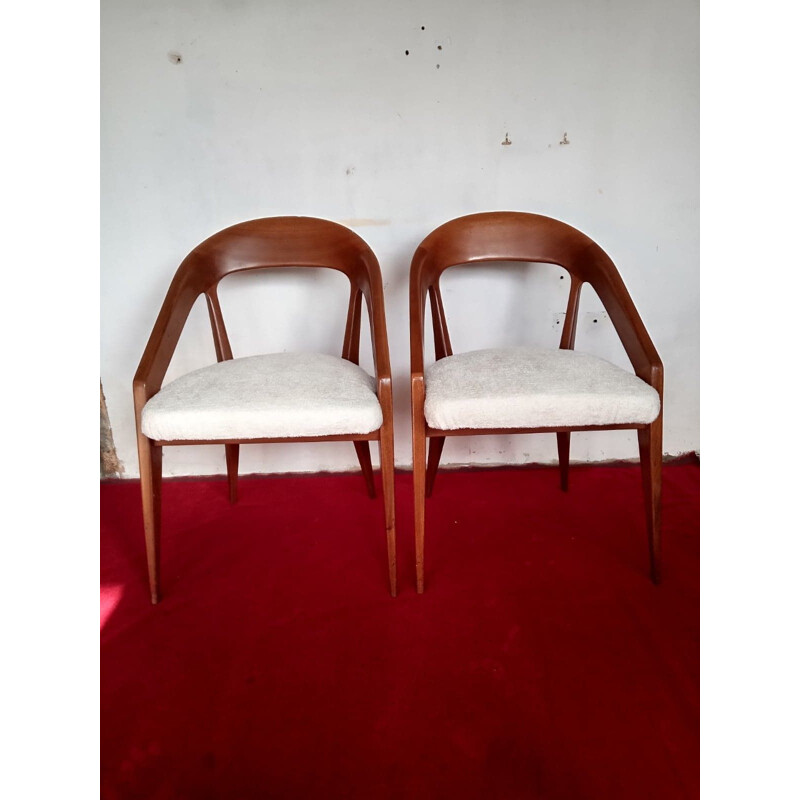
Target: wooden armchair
(529,390)
(281,397)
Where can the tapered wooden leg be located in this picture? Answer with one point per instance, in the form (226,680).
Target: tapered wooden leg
(150,480)
(362,451)
(387,477)
(232,461)
(563,459)
(651,458)
(418,453)
(434,454)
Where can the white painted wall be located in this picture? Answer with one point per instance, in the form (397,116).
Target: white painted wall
(313,108)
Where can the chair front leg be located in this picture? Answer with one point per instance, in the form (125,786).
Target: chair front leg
(418,452)
(650,454)
(387,477)
(150,480)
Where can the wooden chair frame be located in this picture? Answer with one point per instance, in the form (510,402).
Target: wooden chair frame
(517,236)
(265,244)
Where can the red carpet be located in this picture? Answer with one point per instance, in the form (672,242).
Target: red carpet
(540,662)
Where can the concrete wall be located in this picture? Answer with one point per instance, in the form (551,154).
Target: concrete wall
(217,112)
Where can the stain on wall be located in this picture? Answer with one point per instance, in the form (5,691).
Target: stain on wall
(110,466)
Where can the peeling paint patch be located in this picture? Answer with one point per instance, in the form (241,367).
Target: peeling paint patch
(363,222)
(110,465)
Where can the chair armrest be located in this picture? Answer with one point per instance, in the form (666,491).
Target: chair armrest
(635,339)
(376,311)
(599,271)
(418,291)
(163,339)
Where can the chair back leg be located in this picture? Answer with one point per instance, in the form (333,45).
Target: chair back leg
(387,477)
(232,463)
(651,459)
(563,459)
(364,459)
(150,480)
(434,454)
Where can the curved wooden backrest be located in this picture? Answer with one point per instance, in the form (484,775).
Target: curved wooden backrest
(264,244)
(520,236)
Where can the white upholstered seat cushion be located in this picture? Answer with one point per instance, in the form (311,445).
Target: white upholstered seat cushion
(528,387)
(280,395)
